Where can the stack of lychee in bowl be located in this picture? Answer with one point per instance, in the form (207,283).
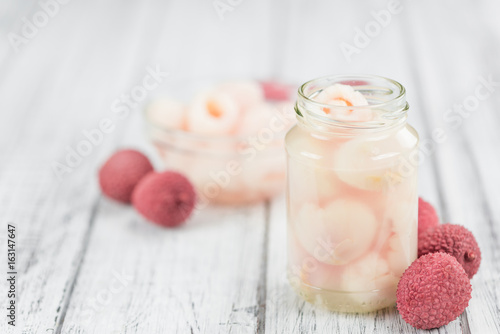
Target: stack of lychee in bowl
(227,139)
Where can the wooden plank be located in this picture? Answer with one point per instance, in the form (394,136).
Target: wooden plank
(200,278)
(36,210)
(59,97)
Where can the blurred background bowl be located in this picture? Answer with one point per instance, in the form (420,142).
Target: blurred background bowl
(225,169)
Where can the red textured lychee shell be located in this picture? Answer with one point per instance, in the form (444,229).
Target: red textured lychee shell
(427,216)
(433,291)
(121,172)
(166,198)
(455,240)
(276,91)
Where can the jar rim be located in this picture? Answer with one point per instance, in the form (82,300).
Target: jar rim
(393,108)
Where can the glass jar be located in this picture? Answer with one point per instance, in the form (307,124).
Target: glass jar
(352,195)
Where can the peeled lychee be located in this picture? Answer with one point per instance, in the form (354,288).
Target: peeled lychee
(355,82)
(371,272)
(312,183)
(213,113)
(433,291)
(369,282)
(339,233)
(455,240)
(256,118)
(399,253)
(427,215)
(368,164)
(167,113)
(343,96)
(166,198)
(246,93)
(121,173)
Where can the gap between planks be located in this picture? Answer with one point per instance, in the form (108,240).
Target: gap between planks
(81,258)
(262,286)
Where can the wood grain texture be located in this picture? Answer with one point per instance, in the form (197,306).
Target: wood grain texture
(88,265)
(202,278)
(472,144)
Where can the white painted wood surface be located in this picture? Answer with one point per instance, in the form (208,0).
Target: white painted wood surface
(87,265)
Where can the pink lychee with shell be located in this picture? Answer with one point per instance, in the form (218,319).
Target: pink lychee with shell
(274,90)
(427,215)
(121,173)
(433,291)
(455,240)
(166,198)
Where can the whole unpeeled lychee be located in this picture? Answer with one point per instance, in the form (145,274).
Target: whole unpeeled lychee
(433,291)
(455,240)
(427,215)
(166,198)
(276,91)
(121,173)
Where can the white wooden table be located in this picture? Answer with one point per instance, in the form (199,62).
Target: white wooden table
(87,265)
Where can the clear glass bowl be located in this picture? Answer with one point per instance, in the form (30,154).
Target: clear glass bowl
(226,169)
